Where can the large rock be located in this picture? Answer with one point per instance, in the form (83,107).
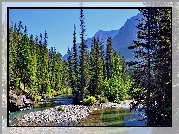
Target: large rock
(17,102)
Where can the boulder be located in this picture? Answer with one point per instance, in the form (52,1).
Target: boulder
(17,102)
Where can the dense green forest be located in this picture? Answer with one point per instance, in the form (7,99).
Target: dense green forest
(99,74)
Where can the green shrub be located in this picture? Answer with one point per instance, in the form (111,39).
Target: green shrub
(128,97)
(19,91)
(61,108)
(90,100)
(117,101)
(102,99)
(66,90)
(37,98)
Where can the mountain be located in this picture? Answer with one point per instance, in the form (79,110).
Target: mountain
(121,38)
(101,34)
(124,38)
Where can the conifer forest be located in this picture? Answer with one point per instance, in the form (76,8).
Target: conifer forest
(98,74)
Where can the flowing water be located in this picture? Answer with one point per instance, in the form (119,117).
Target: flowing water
(56,101)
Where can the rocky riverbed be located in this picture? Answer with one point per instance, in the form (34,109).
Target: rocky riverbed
(53,117)
(69,116)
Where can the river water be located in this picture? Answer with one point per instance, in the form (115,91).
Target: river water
(129,119)
(56,101)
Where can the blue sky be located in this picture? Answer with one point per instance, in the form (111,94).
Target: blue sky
(59,23)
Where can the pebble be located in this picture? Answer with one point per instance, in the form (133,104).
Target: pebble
(52,115)
(71,113)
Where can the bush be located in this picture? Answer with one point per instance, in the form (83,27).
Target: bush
(66,90)
(37,98)
(19,91)
(90,100)
(61,108)
(117,101)
(102,99)
(128,97)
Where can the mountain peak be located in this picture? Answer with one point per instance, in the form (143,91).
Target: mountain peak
(121,38)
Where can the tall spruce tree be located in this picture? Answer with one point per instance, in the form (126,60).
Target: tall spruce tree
(83,56)
(109,57)
(70,70)
(75,62)
(33,77)
(93,68)
(162,67)
(45,75)
(145,45)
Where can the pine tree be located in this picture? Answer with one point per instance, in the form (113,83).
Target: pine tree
(58,72)
(33,72)
(45,75)
(83,56)
(20,56)
(148,48)
(65,78)
(93,68)
(145,47)
(162,65)
(70,71)
(99,58)
(40,61)
(12,53)
(109,57)
(27,59)
(75,62)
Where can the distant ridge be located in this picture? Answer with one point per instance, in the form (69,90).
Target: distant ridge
(121,38)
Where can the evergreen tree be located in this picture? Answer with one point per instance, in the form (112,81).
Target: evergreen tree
(58,72)
(93,68)
(20,56)
(12,53)
(109,57)
(40,61)
(33,72)
(75,67)
(99,58)
(162,67)
(147,53)
(45,74)
(31,66)
(83,56)
(70,70)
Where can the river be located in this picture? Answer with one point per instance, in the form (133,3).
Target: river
(128,119)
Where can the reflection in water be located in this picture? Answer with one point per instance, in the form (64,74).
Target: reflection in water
(106,117)
(100,117)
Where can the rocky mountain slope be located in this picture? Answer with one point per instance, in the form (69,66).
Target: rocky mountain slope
(121,38)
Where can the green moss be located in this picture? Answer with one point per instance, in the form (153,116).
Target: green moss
(61,108)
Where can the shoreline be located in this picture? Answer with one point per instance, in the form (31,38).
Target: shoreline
(69,117)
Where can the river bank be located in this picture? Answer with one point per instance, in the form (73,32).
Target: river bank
(71,115)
